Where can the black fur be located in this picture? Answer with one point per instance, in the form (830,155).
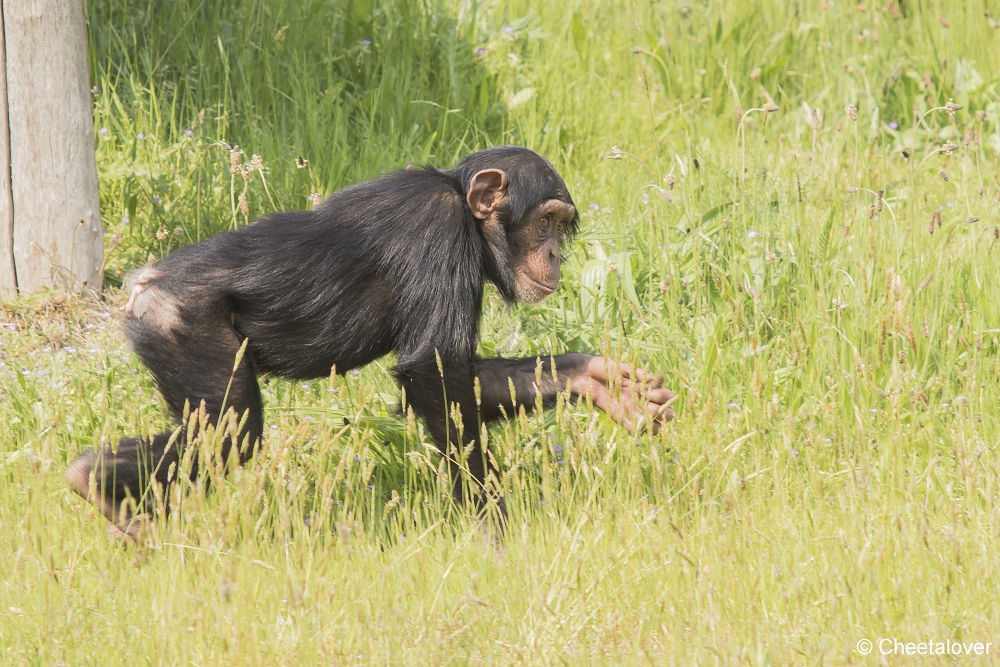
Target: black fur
(396,264)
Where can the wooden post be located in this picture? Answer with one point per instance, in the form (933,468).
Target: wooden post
(50,225)
(8,277)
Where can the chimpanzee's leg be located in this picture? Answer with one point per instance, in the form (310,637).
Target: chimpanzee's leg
(190,346)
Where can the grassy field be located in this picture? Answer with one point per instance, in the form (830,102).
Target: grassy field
(789,208)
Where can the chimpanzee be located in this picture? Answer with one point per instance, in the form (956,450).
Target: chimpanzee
(392,265)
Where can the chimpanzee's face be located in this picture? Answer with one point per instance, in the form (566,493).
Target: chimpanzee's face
(535,241)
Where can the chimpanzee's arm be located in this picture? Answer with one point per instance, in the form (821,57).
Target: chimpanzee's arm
(497,375)
(641,400)
(433,392)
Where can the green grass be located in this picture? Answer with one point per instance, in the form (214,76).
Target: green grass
(834,472)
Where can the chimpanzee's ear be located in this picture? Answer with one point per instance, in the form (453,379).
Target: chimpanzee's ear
(487,190)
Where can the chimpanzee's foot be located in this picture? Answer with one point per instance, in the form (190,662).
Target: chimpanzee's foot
(123,526)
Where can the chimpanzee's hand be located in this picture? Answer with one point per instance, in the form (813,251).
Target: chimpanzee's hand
(631,396)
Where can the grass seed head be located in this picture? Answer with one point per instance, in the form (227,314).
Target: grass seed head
(852,112)
(234,158)
(951,107)
(814,119)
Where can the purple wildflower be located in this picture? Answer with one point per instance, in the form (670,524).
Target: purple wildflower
(103,130)
(893,125)
(480,52)
(140,136)
(594,206)
(366,42)
(188,132)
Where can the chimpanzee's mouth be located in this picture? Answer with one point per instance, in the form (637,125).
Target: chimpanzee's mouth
(548,289)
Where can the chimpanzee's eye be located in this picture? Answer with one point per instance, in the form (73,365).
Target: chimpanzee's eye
(544,224)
